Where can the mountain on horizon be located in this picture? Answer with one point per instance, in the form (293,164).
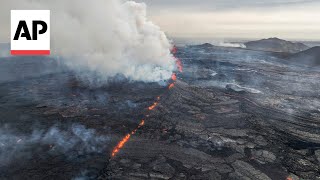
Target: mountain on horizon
(276,45)
(309,57)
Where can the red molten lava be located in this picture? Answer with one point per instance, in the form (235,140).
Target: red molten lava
(120,145)
(153,106)
(124,140)
(141,124)
(179,65)
(174,50)
(171,85)
(174,77)
(128,136)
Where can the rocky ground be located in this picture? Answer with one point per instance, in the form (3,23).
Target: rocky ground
(232,114)
(198,133)
(52,127)
(203,131)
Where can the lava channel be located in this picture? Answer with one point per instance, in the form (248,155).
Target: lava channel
(124,140)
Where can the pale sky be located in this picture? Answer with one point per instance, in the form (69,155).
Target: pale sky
(289,19)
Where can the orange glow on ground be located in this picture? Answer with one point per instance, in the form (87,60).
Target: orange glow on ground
(174,77)
(179,65)
(174,50)
(120,145)
(141,123)
(171,85)
(154,105)
(124,140)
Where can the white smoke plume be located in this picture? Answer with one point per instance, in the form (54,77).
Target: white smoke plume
(102,38)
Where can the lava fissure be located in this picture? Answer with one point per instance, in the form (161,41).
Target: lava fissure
(124,140)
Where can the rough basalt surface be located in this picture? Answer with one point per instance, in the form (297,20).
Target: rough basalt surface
(232,114)
(198,133)
(204,130)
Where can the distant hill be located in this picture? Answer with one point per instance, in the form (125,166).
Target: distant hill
(308,57)
(276,45)
(205,45)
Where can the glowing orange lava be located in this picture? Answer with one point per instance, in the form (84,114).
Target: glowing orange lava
(153,106)
(128,136)
(174,77)
(179,65)
(124,140)
(121,144)
(174,50)
(171,85)
(141,123)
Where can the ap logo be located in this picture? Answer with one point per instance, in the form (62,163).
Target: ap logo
(30,32)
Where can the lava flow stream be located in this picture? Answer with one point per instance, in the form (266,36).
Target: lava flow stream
(124,140)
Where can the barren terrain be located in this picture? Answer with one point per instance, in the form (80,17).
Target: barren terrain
(232,114)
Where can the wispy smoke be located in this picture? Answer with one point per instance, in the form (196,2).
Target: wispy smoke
(103,38)
(225,44)
(77,138)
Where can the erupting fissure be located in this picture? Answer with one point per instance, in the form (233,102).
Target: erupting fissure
(153,106)
(179,65)
(124,140)
(174,77)
(171,85)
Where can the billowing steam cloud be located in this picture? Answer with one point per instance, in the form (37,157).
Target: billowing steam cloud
(102,38)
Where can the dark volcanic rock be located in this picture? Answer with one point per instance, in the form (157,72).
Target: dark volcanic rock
(52,128)
(20,68)
(205,45)
(245,171)
(309,57)
(263,156)
(276,45)
(232,114)
(248,121)
(211,144)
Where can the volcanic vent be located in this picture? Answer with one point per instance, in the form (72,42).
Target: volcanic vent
(122,143)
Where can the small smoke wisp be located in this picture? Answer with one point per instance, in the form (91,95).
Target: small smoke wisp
(235,45)
(103,38)
(77,139)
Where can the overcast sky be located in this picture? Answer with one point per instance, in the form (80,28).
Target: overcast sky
(290,19)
